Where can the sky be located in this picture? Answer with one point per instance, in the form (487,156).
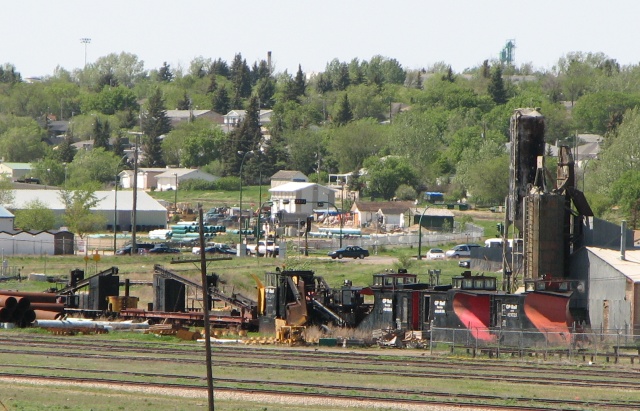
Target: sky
(36,36)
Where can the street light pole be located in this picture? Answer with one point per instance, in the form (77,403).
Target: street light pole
(134,211)
(241,249)
(85,41)
(175,195)
(420,233)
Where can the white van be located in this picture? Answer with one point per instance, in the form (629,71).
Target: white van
(493,242)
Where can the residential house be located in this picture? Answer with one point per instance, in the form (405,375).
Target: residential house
(146,177)
(235,117)
(391,214)
(179,116)
(288,176)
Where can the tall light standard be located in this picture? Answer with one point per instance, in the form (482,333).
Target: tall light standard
(115,206)
(420,233)
(85,41)
(241,248)
(175,194)
(341,215)
(134,211)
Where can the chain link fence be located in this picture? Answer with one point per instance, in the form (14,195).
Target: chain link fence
(593,345)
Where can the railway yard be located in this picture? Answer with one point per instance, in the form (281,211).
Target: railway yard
(100,372)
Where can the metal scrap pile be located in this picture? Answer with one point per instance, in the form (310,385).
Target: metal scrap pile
(23,308)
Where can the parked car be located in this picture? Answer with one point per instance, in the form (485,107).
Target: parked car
(215,249)
(462,250)
(352,251)
(126,250)
(435,254)
(163,249)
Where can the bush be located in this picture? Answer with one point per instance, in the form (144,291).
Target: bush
(405,193)
(223,184)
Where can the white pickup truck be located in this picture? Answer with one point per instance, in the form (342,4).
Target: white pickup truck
(270,249)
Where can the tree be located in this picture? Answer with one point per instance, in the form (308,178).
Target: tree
(343,112)
(6,190)
(95,165)
(351,144)
(244,138)
(36,215)
(387,174)
(164,73)
(66,150)
(193,144)
(78,215)
(483,172)
(155,123)
(185,103)
(220,101)
(101,134)
(594,111)
(496,87)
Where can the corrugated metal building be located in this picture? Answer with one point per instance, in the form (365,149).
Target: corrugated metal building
(150,213)
(612,287)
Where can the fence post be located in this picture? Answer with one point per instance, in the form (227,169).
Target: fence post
(476,342)
(431,340)
(453,342)
(617,346)
(546,344)
(499,336)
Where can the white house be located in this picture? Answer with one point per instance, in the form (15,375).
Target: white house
(6,219)
(146,177)
(235,117)
(299,197)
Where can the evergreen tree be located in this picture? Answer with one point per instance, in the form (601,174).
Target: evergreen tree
(244,138)
(220,68)
(344,113)
(118,146)
(356,75)
(496,87)
(323,83)
(448,76)
(66,150)
(340,80)
(266,89)
(155,123)
(101,134)
(164,73)
(240,77)
(299,82)
(213,84)
(485,71)
(220,102)
(185,103)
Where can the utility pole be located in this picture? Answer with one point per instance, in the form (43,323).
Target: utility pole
(85,41)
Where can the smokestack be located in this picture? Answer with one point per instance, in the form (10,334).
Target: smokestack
(623,239)
(269,60)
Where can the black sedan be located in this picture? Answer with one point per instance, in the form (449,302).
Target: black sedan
(218,249)
(164,250)
(352,251)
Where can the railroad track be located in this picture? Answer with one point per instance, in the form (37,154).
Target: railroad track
(378,395)
(345,365)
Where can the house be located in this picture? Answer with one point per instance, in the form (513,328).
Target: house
(179,116)
(235,117)
(150,214)
(287,176)
(300,197)
(171,178)
(388,213)
(433,219)
(15,171)
(146,177)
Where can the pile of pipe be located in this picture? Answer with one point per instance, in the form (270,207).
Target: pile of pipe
(23,308)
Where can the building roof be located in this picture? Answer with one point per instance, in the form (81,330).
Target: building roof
(292,186)
(433,212)
(181,172)
(386,207)
(629,267)
(186,113)
(106,200)
(286,174)
(18,166)
(4,213)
